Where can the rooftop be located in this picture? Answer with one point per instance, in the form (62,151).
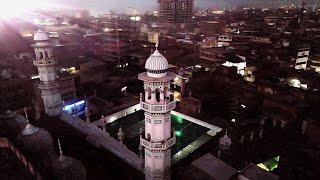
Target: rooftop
(214,167)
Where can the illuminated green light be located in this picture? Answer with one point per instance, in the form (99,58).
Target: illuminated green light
(270,164)
(277,158)
(178,119)
(262,166)
(178,133)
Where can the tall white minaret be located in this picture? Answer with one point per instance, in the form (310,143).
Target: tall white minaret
(157,102)
(46,65)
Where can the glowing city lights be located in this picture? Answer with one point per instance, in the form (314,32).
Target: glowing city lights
(18,8)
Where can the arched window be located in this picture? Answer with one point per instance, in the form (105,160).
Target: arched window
(149,93)
(171,97)
(41,55)
(157,95)
(46,54)
(148,137)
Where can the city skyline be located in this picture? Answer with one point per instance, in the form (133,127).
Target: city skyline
(159,89)
(98,6)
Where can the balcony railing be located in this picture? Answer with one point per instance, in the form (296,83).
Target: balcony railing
(49,85)
(158,108)
(44,62)
(157,145)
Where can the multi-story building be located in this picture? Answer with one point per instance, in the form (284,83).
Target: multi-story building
(118,33)
(214,56)
(81,14)
(115,49)
(302,58)
(315,63)
(175,11)
(67,86)
(92,72)
(224,40)
(211,27)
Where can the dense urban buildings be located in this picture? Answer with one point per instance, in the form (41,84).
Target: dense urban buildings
(182,89)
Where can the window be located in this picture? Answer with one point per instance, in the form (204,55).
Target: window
(149,93)
(157,121)
(148,136)
(41,55)
(157,95)
(46,54)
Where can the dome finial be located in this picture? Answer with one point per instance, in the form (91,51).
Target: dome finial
(26,114)
(60,148)
(157,43)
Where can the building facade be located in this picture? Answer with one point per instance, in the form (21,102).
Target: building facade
(315,63)
(175,11)
(302,58)
(157,102)
(46,65)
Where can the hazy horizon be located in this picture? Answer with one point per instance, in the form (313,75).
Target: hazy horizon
(97,6)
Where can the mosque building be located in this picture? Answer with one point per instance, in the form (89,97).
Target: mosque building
(149,137)
(34,147)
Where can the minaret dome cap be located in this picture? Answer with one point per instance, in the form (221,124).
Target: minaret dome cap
(41,35)
(157,62)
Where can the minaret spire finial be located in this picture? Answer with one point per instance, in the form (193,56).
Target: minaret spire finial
(26,114)
(157,43)
(60,148)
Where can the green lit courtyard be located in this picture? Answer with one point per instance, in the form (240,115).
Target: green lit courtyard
(187,133)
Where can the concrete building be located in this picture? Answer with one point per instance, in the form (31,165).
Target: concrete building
(237,61)
(211,27)
(157,102)
(315,63)
(116,39)
(249,73)
(46,65)
(92,71)
(214,56)
(67,86)
(224,40)
(302,58)
(81,14)
(175,11)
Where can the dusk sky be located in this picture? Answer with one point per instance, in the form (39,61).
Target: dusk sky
(100,6)
(124,5)
(143,5)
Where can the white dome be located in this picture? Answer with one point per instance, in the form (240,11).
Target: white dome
(40,35)
(156,62)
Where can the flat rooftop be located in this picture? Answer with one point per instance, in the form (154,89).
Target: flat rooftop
(214,167)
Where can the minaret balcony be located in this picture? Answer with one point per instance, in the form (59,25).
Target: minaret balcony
(158,108)
(42,62)
(158,146)
(48,85)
